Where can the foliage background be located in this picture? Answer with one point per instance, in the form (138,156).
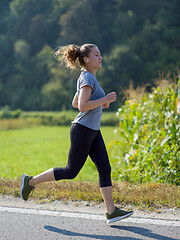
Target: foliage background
(147,144)
(137,38)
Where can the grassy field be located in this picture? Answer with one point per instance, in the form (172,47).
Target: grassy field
(33,150)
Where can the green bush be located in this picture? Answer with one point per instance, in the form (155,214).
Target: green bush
(6,113)
(109,119)
(147,147)
(64,118)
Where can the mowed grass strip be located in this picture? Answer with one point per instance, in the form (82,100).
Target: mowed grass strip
(149,196)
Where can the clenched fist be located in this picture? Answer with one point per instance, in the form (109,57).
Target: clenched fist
(111,97)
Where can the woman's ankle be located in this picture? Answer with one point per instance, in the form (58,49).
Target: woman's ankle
(110,209)
(30,182)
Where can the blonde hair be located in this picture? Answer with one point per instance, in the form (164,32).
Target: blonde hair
(73,55)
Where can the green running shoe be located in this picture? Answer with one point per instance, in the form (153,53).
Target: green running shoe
(117,215)
(25,189)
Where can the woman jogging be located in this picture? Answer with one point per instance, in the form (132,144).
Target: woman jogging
(85,135)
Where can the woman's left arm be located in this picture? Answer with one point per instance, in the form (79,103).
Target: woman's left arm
(75,100)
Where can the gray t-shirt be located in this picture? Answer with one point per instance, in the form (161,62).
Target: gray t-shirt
(91,118)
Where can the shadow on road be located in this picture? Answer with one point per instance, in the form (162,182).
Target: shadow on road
(137,230)
(143,231)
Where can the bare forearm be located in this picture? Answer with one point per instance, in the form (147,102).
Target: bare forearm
(91,104)
(85,104)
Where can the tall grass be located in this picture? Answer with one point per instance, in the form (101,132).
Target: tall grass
(147,144)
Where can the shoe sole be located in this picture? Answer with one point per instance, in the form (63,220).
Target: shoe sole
(22,185)
(119,218)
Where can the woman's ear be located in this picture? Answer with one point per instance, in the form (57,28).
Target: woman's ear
(86,59)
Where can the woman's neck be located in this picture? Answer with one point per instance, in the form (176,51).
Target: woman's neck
(92,71)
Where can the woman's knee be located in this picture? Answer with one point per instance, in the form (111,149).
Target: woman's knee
(71,174)
(64,173)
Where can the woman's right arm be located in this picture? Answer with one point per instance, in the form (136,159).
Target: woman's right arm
(84,104)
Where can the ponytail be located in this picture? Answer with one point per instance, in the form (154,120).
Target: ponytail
(73,55)
(69,55)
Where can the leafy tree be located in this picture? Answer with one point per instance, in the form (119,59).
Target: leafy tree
(59,91)
(22,49)
(55,96)
(75,21)
(137,40)
(37,33)
(120,66)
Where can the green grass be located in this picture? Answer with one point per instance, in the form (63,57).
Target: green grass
(36,149)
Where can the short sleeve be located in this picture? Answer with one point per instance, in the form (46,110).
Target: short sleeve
(86,80)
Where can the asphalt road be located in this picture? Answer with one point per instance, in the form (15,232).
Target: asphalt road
(18,223)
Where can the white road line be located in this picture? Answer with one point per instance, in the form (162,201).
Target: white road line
(173,223)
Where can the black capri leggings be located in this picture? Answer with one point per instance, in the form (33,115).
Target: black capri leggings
(84,142)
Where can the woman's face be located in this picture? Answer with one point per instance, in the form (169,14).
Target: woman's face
(94,60)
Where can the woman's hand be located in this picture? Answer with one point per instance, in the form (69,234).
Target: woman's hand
(111,97)
(105,105)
